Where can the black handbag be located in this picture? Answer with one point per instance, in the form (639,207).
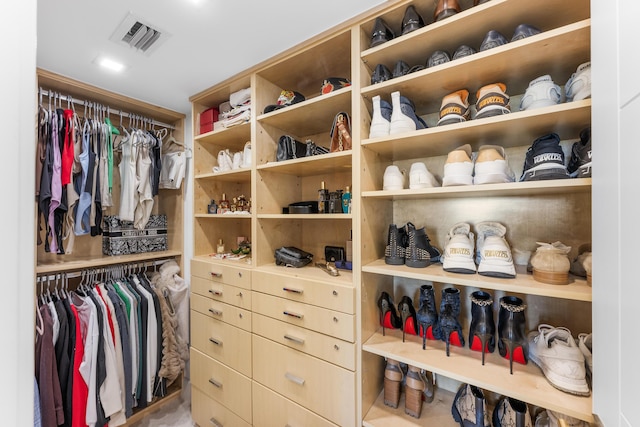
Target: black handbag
(315,150)
(289,148)
(290,256)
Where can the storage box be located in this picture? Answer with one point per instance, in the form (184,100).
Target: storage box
(121,238)
(207,119)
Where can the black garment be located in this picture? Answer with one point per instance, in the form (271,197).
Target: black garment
(62,357)
(61,210)
(44,198)
(156,165)
(67,398)
(138,362)
(144,312)
(158,313)
(123,327)
(96,229)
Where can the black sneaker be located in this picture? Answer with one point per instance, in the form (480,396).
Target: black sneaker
(463,51)
(544,160)
(381,74)
(419,253)
(580,161)
(381,33)
(394,253)
(412,20)
(493,39)
(438,57)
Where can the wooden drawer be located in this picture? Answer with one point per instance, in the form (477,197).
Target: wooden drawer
(222,341)
(223,384)
(228,274)
(206,412)
(272,410)
(229,294)
(336,324)
(322,387)
(324,294)
(218,310)
(333,350)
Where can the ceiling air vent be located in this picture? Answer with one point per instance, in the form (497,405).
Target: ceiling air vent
(137,34)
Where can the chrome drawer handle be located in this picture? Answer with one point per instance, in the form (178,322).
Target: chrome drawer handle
(295,379)
(215,422)
(294,339)
(216,274)
(215,383)
(216,293)
(296,315)
(215,312)
(295,291)
(215,341)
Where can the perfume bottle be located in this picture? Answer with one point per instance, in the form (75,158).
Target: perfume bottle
(212,208)
(335,201)
(223,206)
(346,200)
(220,247)
(323,199)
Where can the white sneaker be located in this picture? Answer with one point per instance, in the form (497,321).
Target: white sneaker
(458,250)
(493,254)
(224,161)
(585,344)
(237,160)
(554,350)
(491,166)
(542,92)
(246,155)
(458,169)
(579,84)
(393,179)
(549,418)
(381,118)
(420,177)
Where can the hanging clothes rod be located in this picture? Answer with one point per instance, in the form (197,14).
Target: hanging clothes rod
(78,273)
(123,114)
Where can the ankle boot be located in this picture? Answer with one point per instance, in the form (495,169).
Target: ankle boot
(470,407)
(510,412)
(392,379)
(427,315)
(394,253)
(483,328)
(512,341)
(381,118)
(445,8)
(418,387)
(419,253)
(408,316)
(388,315)
(449,326)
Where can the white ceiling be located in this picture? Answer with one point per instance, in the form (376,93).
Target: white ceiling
(210,40)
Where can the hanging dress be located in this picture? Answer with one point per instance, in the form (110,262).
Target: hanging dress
(82,223)
(128,180)
(143,169)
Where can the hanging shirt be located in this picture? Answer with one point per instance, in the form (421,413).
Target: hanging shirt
(82,222)
(80,387)
(56,186)
(68,148)
(47,372)
(142,211)
(128,177)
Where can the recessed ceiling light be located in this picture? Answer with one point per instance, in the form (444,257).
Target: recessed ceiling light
(110,64)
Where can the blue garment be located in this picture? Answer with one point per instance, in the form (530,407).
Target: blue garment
(83,212)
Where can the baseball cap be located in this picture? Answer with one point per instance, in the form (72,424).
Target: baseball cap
(286,98)
(334,83)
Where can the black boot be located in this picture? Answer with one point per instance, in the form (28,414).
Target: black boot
(419,253)
(427,315)
(470,407)
(510,412)
(448,323)
(512,341)
(388,315)
(394,253)
(408,315)
(483,328)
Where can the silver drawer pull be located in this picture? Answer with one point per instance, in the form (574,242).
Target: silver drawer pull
(215,422)
(295,291)
(335,293)
(295,379)
(215,341)
(294,339)
(213,274)
(215,312)
(296,315)
(215,383)
(216,293)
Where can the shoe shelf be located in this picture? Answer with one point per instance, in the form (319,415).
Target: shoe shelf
(515,129)
(527,382)
(577,289)
(238,175)
(436,413)
(320,217)
(310,166)
(232,137)
(555,52)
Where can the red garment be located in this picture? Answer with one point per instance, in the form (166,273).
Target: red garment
(67,149)
(113,337)
(80,392)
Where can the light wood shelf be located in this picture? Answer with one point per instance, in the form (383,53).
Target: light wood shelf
(238,175)
(527,382)
(436,413)
(310,272)
(224,216)
(59,264)
(233,137)
(325,163)
(320,217)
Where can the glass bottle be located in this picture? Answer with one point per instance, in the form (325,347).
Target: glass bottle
(346,200)
(323,199)
(223,206)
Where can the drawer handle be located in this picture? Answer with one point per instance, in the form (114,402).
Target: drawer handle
(240,294)
(215,312)
(213,274)
(215,422)
(239,274)
(294,339)
(215,383)
(295,379)
(216,293)
(296,315)
(215,341)
(295,291)
(335,319)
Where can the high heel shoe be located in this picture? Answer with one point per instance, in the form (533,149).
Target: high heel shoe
(408,314)
(393,376)
(388,315)
(427,315)
(483,328)
(512,342)
(448,323)
(418,388)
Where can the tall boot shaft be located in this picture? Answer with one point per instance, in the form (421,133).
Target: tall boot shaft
(427,315)
(512,340)
(482,330)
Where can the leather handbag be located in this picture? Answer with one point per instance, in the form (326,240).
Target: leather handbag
(289,148)
(341,132)
(315,150)
(290,256)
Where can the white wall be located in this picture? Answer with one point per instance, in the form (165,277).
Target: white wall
(18,88)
